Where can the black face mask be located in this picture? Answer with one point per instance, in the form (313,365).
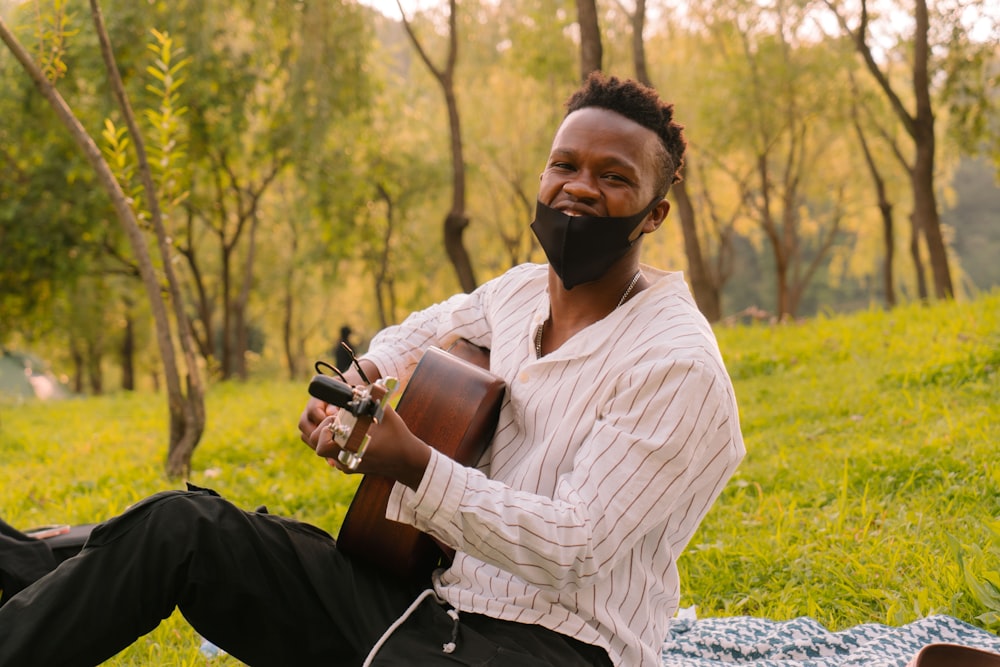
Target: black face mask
(581,248)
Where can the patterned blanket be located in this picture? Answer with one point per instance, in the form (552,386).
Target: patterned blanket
(802,642)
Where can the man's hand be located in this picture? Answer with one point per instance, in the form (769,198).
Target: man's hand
(392,452)
(316,410)
(312,417)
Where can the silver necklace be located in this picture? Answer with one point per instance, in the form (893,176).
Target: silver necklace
(628,290)
(540,331)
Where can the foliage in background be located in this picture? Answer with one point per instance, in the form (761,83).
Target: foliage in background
(329,100)
(870,491)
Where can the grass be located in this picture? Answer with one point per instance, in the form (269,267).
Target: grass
(870,491)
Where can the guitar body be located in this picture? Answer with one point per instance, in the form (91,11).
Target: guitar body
(452,404)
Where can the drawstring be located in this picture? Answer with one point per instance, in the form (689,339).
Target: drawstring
(447,648)
(450,646)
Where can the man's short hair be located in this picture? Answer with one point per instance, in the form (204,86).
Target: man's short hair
(643,105)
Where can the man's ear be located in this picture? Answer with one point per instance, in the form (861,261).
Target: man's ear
(656,217)
(652,221)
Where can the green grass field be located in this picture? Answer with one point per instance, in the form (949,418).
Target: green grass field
(870,491)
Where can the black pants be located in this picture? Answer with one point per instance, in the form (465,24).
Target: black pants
(268,590)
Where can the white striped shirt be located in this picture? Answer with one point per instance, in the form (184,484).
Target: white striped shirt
(608,454)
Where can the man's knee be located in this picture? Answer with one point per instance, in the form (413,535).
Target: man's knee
(168,517)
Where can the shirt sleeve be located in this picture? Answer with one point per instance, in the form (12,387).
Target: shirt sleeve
(396,350)
(664,444)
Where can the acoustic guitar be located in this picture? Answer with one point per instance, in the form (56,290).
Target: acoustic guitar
(452,403)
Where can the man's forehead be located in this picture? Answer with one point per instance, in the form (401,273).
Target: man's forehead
(604,121)
(590,128)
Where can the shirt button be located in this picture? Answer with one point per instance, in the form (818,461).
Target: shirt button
(523,377)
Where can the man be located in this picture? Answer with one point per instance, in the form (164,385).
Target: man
(618,431)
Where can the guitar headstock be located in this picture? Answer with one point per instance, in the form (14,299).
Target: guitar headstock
(360,407)
(359,400)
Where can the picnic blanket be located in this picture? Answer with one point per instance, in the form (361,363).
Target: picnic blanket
(803,642)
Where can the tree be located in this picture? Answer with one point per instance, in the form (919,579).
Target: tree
(389,250)
(45,244)
(707,293)
(230,226)
(508,153)
(266,109)
(186,409)
(884,206)
(456,221)
(521,63)
(786,133)
(919,125)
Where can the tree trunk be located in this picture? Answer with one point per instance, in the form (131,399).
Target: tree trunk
(128,350)
(203,305)
(243,301)
(187,405)
(776,239)
(383,281)
(288,315)
(918,262)
(287,321)
(706,295)
(456,221)
(591,51)
(889,239)
(920,127)
(225,293)
(77,356)
(885,208)
(95,372)
(638,20)
(784,296)
(926,218)
(924,200)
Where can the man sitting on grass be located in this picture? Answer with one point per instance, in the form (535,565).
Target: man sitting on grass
(618,432)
